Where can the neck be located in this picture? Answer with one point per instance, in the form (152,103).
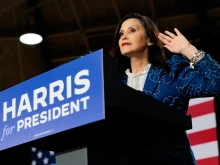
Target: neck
(138,64)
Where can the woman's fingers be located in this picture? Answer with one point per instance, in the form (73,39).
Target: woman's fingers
(175,42)
(177,31)
(170,34)
(165,37)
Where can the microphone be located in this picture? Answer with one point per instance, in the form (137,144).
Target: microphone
(88,52)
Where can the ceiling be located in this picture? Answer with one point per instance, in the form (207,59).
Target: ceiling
(72,27)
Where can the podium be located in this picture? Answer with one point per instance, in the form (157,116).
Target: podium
(132,121)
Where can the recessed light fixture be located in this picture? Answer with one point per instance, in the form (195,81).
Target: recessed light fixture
(31,38)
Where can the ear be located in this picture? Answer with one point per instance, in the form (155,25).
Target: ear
(150,43)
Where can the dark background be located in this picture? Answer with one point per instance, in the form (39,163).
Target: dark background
(72,27)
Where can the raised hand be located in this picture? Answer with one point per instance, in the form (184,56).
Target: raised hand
(177,43)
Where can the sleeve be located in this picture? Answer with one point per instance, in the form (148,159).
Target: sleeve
(204,80)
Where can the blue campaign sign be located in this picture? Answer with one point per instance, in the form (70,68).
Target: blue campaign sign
(66,97)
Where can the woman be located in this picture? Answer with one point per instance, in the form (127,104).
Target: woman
(189,74)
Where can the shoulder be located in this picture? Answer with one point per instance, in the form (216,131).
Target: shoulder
(178,65)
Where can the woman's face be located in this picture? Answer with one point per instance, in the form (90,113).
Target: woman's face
(133,39)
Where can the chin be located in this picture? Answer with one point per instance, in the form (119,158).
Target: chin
(127,53)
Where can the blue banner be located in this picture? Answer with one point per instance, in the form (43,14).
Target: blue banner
(66,97)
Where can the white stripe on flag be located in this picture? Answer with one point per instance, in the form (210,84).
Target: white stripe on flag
(200,100)
(203,122)
(205,150)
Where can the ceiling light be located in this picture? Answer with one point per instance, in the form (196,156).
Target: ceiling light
(31,38)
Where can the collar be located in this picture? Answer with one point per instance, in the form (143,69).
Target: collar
(129,74)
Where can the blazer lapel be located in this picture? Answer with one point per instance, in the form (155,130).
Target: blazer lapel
(152,79)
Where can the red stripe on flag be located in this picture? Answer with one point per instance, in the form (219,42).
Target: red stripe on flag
(202,109)
(208,161)
(202,136)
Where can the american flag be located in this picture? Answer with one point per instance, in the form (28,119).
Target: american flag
(203,136)
(42,157)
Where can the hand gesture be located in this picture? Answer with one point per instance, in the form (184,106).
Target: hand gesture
(174,43)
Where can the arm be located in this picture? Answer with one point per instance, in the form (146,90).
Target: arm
(205,78)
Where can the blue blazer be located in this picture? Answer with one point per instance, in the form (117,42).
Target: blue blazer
(178,83)
(174,86)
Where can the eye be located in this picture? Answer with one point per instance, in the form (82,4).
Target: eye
(132,30)
(120,34)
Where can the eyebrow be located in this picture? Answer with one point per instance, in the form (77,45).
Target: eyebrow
(129,27)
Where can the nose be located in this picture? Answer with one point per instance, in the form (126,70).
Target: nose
(124,36)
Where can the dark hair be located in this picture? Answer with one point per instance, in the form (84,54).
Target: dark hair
(156,51)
